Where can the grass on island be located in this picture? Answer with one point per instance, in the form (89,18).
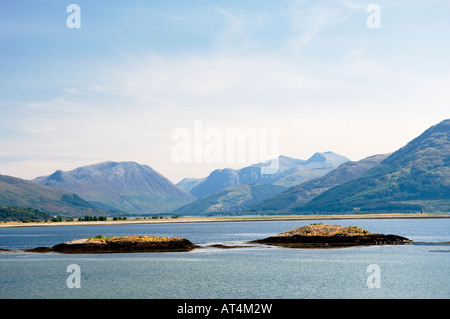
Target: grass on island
(110,239)
(318,229)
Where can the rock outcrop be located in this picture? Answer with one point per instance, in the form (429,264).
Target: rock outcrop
(122,244)
(323,236)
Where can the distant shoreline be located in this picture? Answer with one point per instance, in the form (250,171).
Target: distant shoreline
(225,219)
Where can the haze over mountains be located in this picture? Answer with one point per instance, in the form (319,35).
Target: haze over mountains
(232,191)
(290,172)
(296,196)
(412,179)
(231,199)
(416,177)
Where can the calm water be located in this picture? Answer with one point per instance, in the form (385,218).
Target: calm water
(419,270)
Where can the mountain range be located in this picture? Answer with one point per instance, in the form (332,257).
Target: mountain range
(295,197)
(416,177)
(290,172)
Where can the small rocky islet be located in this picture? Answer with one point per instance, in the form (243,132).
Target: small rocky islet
(328,236)
(120,244)
(312,236)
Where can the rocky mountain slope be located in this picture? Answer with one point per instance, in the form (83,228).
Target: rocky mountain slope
(290,172)
(299,195)
(121,186)
(416,177)
(232,199)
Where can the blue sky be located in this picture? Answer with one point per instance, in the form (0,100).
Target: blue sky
(117,88)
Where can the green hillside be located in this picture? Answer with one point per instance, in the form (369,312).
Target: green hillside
(232,199)
(299,195)
(20,193)
(415,177)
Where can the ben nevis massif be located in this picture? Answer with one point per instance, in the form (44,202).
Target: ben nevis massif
(414,178)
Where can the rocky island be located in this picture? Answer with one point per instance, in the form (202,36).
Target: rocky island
(120,244)
(328,236)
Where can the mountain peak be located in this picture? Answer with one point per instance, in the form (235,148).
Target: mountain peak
(56,176)
(326,159)
(288,172)
(108,165)
(317,157)
(125,186)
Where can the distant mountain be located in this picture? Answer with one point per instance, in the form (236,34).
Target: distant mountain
(299,195)
(415,177)
(20,193)
(123,186)
(316,166)
(290,172)
(187,184)
(232,199)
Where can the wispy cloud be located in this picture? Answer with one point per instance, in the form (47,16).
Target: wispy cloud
(141,101)
(237,35)
(356,5)
(308,22)
(312,69)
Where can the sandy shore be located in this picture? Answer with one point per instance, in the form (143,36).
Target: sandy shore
(222,219)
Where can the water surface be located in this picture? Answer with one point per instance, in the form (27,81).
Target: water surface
(419,270)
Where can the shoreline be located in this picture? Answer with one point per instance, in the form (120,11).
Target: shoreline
(226,219)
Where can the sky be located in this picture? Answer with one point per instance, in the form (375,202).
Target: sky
(145,80)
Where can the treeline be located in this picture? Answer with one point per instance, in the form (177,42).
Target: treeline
(163,217)
(88,218)
(28,215)
(104,218)
(22,214)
